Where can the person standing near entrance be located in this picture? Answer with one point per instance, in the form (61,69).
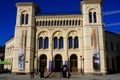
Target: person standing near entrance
(32,75)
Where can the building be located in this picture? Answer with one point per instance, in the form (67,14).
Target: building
(9,49)
(76,40)
(112,42)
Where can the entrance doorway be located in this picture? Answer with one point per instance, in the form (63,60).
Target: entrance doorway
(58,63)
(73,63)
(43,61)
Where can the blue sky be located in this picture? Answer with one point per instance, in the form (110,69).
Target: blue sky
(8,13)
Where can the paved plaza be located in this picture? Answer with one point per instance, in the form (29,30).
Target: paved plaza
(81,77)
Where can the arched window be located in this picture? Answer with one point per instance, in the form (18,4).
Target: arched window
(70,22)
(58,23)
(55,42)
(54,23)
(22,19)
(67,23)
(48,23)
(45,23)
(61,42)
(73,22)
(90,17)
(70,42)
(76,42)
(40,42)
(79,22)
(94,16)
(26,21)
(46,42)
(40,23)
(76,22)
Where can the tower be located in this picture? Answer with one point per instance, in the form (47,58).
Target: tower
(93,37)
(24,42)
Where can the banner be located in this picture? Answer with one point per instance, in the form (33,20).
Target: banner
(22,41)
(23,38)
(95,45)
(21,60)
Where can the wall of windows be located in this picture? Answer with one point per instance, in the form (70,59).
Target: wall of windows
(58,42)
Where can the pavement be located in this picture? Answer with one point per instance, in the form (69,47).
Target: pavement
(73,77)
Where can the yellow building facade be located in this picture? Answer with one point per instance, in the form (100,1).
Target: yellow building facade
(74,40)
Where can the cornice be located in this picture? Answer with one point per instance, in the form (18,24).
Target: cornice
(58,16)
(91,1)
(26,4)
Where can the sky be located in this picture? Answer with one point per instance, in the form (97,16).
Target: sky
(8,12)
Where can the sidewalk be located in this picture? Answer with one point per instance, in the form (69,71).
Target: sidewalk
(73,77)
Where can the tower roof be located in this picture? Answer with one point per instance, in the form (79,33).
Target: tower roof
(28,4)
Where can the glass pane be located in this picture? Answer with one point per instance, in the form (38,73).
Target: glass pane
(26,22)
(22,19)
(95,18)
(70,42)
(55,42)
(90,17)
(40,43)
(76,42)
(54,23)
(46,42)
(66,22)
(61,42)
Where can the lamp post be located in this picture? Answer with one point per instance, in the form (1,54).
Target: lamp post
(82,63)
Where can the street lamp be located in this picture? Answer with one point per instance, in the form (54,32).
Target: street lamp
(81,59)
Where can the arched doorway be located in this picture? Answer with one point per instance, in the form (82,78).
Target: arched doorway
(43,61)
(58,63)
(73,63)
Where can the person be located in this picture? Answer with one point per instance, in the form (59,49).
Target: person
(32,75)
(69,74)
(64,71)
